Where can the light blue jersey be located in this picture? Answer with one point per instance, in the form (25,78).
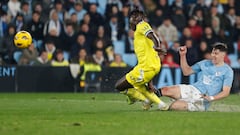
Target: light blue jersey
(212,78)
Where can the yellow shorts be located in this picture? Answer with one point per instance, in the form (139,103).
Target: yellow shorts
(138,76)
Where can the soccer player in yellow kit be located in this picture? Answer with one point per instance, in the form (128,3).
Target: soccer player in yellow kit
(146,47)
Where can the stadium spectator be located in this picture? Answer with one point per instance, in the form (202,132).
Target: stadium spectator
(110,3)
(209,37)
(68,4)
(168,31)
(26,12)
(79,10)
(192,55)
(99,45)
(54,24)
(223,37)
(87,21)
(74,21)
(35,27)
(173,50)
(213,15)
(54,29)
(135,3)
(18,21)
(99,57)
(222,16)
(58,60)
(69,37)
(149,6)
(177,4)
(114,29)
(44,13)
(50,49)
(219,6)
(129,42)
(168,61)
(8,48)
(163,5)
(196,6)
(101,35)
(82,56)
(84,29)
(3,25)
(117,62)
(96,17)
(89,65)
(199,17)
(215,25)
(124,19)
(236,31)
(202,50)
(196,30)
(156,18)
(80,44)
(186,34)
(42,60)
(231,18)
(113,10)
(61,11)
(109,53)
(178,16)
(238,49)
(14,6)
(28,55)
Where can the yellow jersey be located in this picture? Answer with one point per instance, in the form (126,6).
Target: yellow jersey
(115,64)
(147,57)
(60,64)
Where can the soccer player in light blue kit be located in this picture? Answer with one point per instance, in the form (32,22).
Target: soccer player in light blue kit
(214,83)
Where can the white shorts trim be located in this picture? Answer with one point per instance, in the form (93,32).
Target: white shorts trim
(193,97)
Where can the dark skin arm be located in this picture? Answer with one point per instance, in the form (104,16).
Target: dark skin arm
(159,49)
(157,43)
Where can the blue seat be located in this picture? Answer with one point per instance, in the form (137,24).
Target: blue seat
(130,59)
(17,55)
(66,55)
(119,47)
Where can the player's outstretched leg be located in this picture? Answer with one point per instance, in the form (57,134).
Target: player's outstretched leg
(126,88)
(133,95)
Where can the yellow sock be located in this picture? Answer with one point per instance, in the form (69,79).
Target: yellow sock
(150,95)
(136,94)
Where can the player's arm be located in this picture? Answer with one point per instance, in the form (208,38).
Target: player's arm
(186,69)
(157,43)
(225,92)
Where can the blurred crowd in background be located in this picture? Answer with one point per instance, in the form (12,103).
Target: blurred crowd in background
(97,31)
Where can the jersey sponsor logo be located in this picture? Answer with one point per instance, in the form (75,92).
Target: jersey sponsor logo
(207,79)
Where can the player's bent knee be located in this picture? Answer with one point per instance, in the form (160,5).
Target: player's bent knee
(165,91)
(179,106)
(120,86)
(117,86)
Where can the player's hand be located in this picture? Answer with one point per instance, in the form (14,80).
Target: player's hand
(208,98)
(182,50)
(161,51)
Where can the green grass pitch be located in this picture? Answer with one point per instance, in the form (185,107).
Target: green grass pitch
(109,114)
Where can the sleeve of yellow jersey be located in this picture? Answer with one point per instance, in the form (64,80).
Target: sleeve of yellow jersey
(145,28)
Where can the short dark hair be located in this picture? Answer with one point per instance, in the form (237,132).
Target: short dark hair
(136,12)
(221,47)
